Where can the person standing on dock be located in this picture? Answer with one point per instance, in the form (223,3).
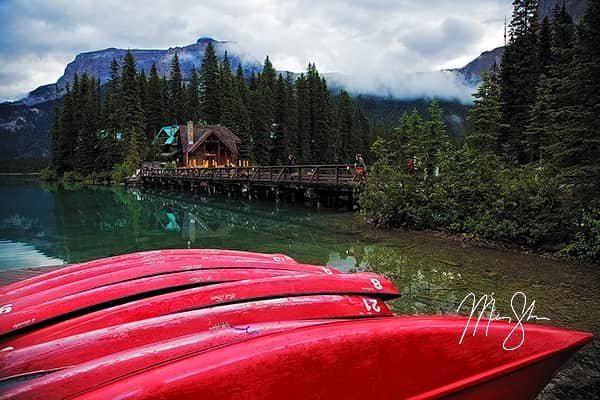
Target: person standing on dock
(360,168)
(290,162)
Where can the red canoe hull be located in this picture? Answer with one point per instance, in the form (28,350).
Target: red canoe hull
(78,277)
(382,358)
(165,326)
(79,304)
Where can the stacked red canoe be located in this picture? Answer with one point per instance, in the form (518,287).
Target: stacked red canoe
(217,324)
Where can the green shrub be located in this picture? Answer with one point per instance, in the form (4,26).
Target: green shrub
(48,175)
(120,172)
(72,176)
(586,244)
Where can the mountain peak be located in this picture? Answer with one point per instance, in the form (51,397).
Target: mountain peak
(97,63)
(206,39)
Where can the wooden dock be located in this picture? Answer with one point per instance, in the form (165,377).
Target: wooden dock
(312,181)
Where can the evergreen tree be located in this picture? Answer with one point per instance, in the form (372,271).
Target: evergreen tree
(193,97)
(278,155)
(320,115)
(177,100)
(434,146)
(133,115)
(304,121)
(349,144)
(110,149)
(290,120)
(210,90)
(485,116)
(56,137)
(155,106)
(362,132)
(578,154)
(268,76)
(400,148)
(545,47)
(228,96)
(112,102)
(88,115)
(70,127)
(550,115)
(260,122)
(265,124)
(242,119)
(519,77)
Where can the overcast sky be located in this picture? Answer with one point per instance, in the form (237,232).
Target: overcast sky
(384,43)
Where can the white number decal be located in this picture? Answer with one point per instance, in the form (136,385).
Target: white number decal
(279,259)
(376,284)
(327,270)
(372,306)
(5,309)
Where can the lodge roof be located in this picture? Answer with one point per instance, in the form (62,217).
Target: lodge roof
(202,133)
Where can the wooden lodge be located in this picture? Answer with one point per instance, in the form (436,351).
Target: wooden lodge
(199,146)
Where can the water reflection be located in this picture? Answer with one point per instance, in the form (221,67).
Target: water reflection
(426,288)
(27,224)
(77,223)
(23,255)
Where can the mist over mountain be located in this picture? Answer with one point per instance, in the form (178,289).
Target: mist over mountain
(97,63)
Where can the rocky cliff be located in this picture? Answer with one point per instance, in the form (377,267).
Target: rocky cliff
(97,63)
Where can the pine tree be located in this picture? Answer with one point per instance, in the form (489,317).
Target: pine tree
(260,122)
(290,120)
(133,116)
(578,155)
(321,115)
(177,100)
(56,137)
(518,77)
(87,104)
(266,126)
(550,115)
(304,121)
(242,117)
(112,103)
(545,47)
(278,155)
(485,116)
(228,96)
(155,106)
(110,149)
(349,142)
(362,132)
(210,90)
(193,97)
(434,145)
(70,126)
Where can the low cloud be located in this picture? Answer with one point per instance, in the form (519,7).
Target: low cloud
(429,85)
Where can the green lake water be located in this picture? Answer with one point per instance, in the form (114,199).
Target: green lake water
(50,224)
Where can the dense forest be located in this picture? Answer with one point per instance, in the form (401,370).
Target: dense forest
(108,131)
(529,170)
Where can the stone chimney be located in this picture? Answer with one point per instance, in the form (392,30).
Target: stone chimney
(190,132)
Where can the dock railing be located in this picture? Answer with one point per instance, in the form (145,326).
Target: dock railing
(337,175)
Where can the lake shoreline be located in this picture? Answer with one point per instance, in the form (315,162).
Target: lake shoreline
(472,240)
